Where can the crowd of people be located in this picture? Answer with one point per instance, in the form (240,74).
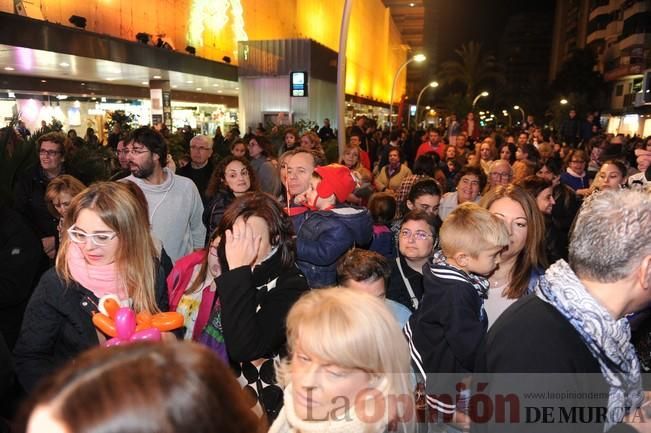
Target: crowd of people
(366,294)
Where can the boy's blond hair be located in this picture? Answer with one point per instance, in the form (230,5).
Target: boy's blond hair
(472,229)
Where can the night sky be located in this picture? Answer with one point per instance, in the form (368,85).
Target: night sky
(480,20)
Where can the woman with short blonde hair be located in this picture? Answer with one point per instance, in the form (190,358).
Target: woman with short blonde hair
(346,351)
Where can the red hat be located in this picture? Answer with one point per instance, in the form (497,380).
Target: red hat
(335,179)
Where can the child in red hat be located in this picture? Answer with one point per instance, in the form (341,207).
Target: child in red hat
(332,226)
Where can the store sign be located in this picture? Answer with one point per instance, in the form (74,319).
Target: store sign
(298,83)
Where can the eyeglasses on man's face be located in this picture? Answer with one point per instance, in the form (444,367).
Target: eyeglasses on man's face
(135,150)
(49,153)
(496,174)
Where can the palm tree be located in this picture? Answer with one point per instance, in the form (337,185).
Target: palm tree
(472,70)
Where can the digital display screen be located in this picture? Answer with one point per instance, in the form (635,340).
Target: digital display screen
(298,83)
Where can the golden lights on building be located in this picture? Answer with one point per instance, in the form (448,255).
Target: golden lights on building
(213,27)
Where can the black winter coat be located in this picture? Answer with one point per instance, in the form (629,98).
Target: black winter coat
(255,304)
(58,326)
(29,200)
(532,338)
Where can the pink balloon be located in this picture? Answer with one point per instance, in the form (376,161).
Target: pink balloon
(114,342)
(125,323)
(151,334)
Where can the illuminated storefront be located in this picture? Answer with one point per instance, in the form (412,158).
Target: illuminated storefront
(211,29)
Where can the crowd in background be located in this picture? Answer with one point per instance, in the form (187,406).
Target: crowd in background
(449,245)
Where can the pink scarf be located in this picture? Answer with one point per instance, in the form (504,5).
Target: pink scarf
(99,279)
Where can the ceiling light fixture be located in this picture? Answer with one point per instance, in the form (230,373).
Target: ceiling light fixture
(8,68)
(143,38)
(78,21)
(156,77)
(64,64)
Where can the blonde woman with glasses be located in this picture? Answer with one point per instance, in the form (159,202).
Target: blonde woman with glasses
(106,251)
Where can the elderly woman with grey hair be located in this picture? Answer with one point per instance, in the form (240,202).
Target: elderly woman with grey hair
(576,320)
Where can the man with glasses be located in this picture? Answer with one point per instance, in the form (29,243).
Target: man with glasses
(499,173)
(29,192)
(200,167)
(175,206)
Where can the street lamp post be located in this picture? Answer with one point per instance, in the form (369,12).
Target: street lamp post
(474,101)
(417,58)
(433,85)
(517,107)
(507,114)
(341,77)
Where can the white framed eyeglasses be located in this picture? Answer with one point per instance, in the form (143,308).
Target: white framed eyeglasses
(99,239)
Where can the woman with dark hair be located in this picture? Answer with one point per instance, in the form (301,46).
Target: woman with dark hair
(425,195)
(382,207)
(527,152)
(542,191)
(238,149)
(91,138)
(290,141)
(575,175)
(507,152)
(417,238)
(167,388)
(470,181)
(267,174)
(556,238)
(566,206)
(424,167)
(522,263)
(231,178)
(612,175)
(259,283)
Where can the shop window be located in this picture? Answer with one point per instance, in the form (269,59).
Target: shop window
(619,90)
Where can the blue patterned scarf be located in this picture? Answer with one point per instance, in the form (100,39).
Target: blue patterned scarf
(608,339)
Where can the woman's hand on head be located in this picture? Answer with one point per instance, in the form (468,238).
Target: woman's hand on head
(242,245)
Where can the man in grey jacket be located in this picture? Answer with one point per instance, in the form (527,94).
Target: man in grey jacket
(175,206)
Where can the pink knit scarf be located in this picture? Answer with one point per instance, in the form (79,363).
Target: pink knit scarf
(99,279)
